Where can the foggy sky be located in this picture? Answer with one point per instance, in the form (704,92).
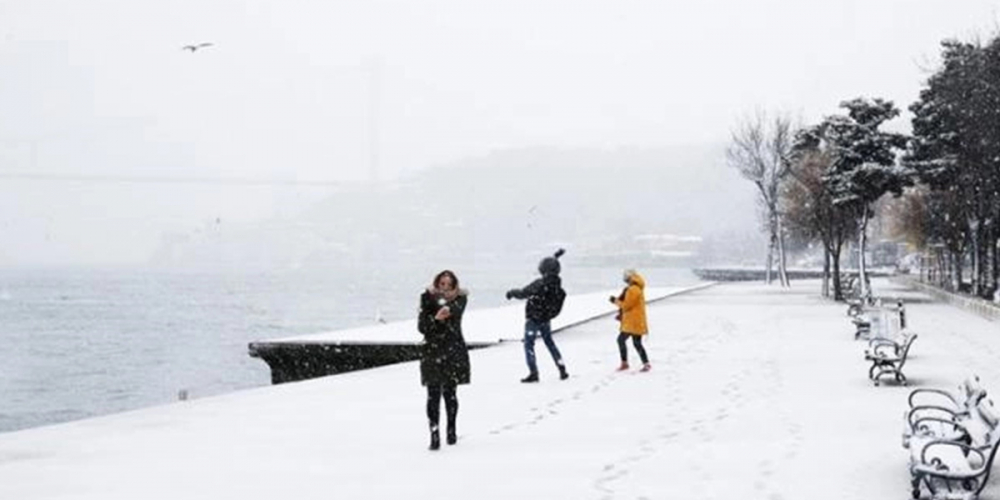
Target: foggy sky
(300,90)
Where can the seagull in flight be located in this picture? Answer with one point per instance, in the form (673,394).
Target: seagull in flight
(195,47)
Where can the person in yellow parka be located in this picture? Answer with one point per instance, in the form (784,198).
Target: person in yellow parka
(632,314)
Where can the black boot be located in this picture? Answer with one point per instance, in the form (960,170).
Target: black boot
(435,439)
(532,377)
(451,406)
(563,375)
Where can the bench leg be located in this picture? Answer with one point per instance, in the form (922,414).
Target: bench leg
(882,370)
(885,369)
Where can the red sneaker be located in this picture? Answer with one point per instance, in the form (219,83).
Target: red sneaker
(623,367)
(645,368)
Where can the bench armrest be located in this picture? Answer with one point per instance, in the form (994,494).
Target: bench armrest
(883,352)
(875,343)
(947,421)
(949,429)
(882,341)
(920,412)
(938,467)
(935,392)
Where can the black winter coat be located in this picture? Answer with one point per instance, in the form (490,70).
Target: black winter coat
(538,293)
(445,357)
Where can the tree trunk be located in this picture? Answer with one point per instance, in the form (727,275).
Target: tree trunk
(782,269)
(986,260)
(838,292)
(976,255)
(986,273)
(770,258)
(826,270)
(956,270)
(995,247)
(863,244)
(993,241)
(943,270)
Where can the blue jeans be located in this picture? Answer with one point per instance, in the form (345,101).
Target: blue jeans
(533,329)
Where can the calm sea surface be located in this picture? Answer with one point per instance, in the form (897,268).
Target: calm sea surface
(76,343)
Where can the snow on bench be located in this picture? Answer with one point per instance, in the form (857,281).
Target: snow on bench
(879,321)
(933,412)
(956,468)
(888,358)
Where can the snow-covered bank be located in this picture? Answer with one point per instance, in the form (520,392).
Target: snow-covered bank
(487,325)
(756,392)
(318,355)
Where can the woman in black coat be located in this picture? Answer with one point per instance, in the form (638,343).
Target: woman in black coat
(444,363)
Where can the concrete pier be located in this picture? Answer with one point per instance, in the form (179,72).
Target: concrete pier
(330,353)
(293,361)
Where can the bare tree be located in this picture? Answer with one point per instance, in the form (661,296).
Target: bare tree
(759,151)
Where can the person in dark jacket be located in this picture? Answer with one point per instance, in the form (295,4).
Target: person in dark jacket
(538,314)
(444,363)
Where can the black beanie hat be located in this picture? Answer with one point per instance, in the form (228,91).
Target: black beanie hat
(550,265)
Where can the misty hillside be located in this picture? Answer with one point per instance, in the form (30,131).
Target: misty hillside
(509,202)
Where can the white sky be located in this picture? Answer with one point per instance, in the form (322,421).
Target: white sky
(102,87)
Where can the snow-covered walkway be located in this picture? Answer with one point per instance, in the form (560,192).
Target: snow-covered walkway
(756,392)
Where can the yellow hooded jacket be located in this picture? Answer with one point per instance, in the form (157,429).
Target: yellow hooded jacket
(633,307)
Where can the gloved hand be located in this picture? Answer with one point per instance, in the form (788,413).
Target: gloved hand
(510,294)
(612,299)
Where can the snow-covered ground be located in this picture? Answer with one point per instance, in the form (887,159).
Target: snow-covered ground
(756,392)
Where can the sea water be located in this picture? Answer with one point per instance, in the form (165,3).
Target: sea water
(81,342)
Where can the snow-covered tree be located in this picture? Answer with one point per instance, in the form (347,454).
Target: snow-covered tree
(864,163)
(955,151)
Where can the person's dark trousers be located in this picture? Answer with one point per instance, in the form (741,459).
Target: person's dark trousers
(434,395)
(637,342)
(532,330)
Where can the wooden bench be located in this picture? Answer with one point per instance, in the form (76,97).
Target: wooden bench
(895,343)
(957,468)
(887,321)
(888,359)
(862,326)
(932,412)
(855,307)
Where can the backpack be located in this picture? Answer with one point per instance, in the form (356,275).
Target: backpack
(554,302)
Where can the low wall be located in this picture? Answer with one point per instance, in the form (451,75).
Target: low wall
(975,305)
(293,361)
(750,274)
(314,356)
